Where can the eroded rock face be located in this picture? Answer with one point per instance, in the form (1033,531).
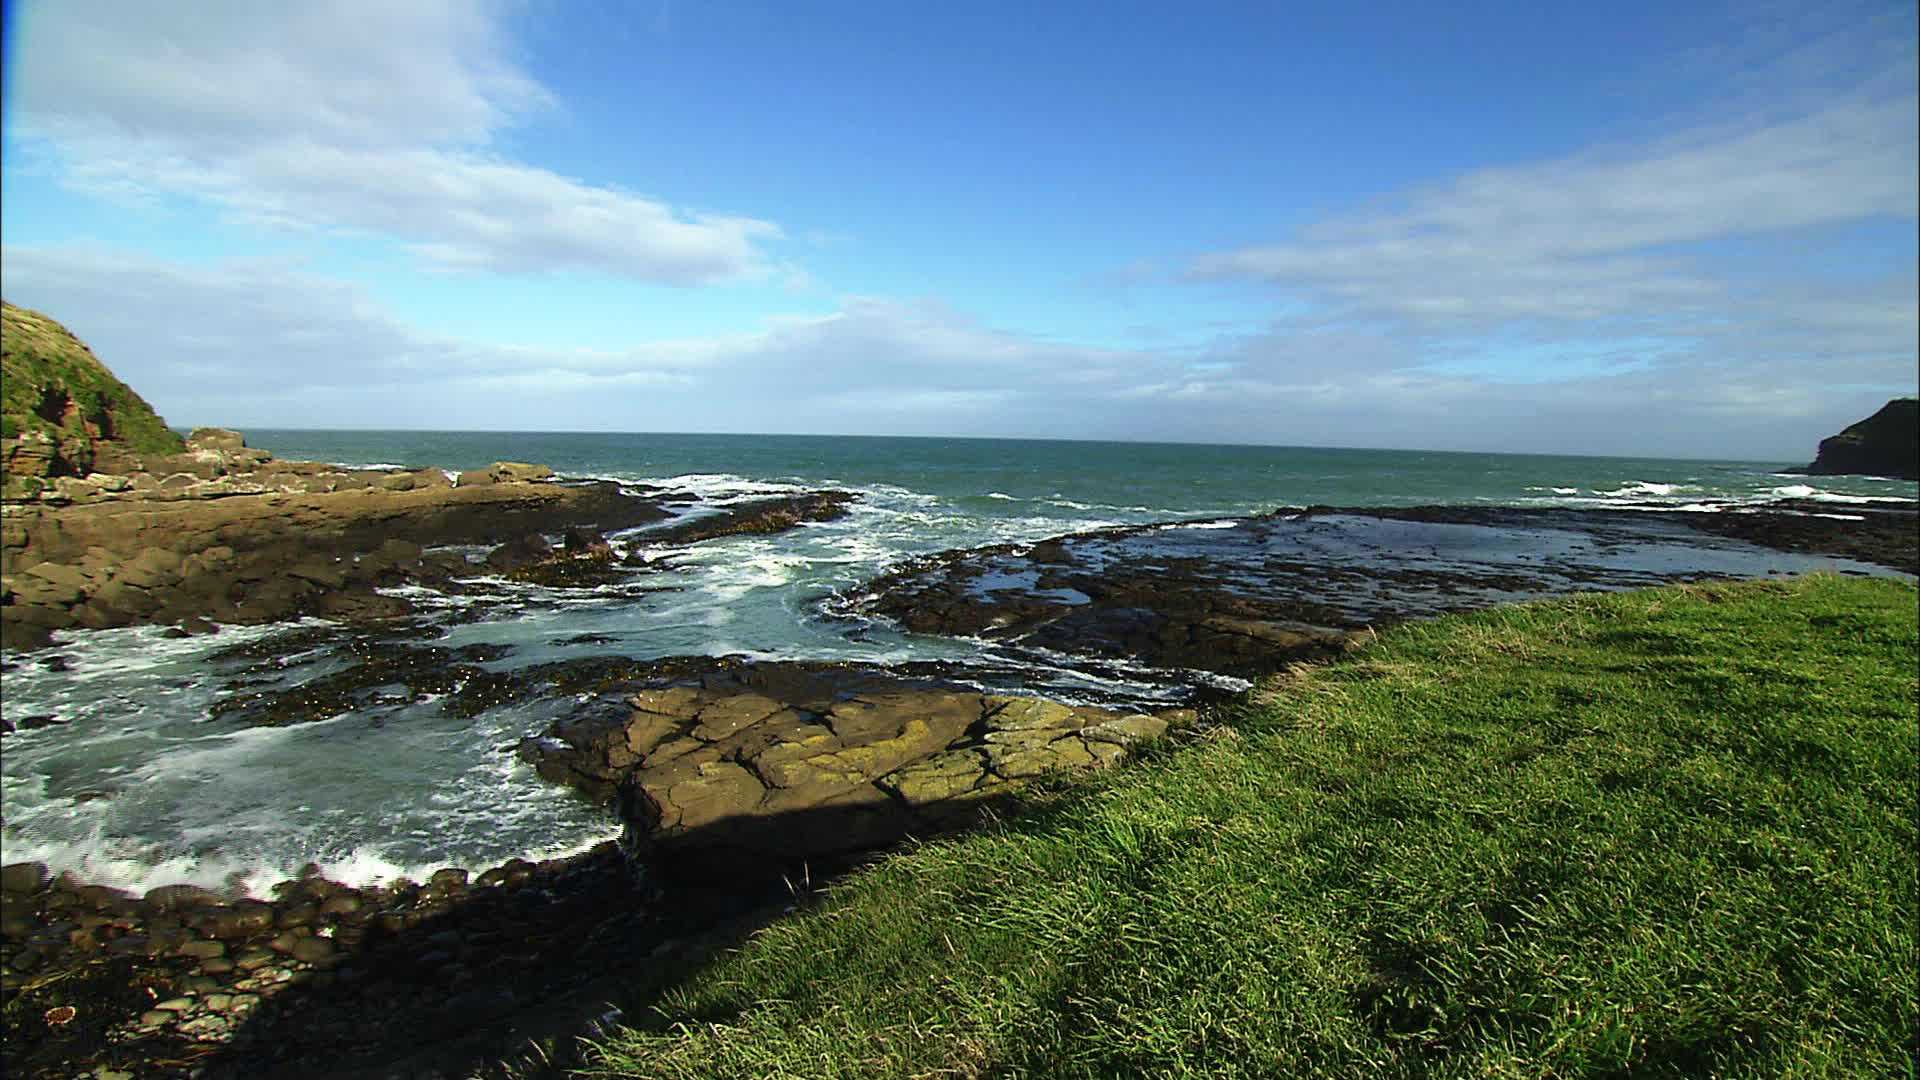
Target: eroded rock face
(765,765)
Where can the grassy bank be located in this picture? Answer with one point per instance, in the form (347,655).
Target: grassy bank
(1660,833)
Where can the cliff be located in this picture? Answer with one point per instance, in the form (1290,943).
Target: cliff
(61,410)
(1884,444)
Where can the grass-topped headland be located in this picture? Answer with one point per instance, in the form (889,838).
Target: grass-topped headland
(58,393)
(1658,833)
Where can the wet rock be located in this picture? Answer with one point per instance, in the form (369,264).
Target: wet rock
(180,897)
(201,949)
(23,877)
(514,554)
(756,517)
(242,921)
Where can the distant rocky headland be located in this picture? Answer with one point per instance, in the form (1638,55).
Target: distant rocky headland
(1884,444)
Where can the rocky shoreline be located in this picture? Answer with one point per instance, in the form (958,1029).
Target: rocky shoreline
(727,775)
(1248,596)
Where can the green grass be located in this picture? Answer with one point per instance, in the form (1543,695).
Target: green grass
(38,353)
(1667,833)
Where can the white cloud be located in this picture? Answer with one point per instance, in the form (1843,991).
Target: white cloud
(1597,236)
(264,344)
(359,115)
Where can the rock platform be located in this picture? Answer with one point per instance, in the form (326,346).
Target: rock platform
(766,766)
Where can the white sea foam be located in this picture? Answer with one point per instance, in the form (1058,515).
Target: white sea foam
(1641,489)
(1813,494)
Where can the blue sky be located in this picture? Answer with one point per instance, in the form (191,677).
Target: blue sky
(1636,229)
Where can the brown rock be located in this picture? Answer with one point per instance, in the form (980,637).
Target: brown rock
(730,714)
(720,790)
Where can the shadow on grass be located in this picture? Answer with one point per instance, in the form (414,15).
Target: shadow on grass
(500,980)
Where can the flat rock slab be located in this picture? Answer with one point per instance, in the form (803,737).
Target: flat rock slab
(762,765)
(1246,596)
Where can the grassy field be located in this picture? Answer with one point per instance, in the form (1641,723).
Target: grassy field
(1668,833)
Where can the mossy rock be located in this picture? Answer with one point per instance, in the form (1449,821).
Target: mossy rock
(55,387)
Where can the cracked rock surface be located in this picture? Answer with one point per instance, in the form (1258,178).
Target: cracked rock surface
(763,764)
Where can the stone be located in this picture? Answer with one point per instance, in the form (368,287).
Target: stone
(1126,730)
(239,922)
(326,575)
(57,584)
(677,701)
(252,959)
(215,439)
(507,472)
(1025,713)
(648,730)
(942,776)
(451,879)
(514,554)
(23,877)
(154,1018)
(202,949)
(313,950)
(1021,760)
(730,714)
(883,715)
(718,790)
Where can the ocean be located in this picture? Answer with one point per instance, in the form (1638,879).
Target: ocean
(138,784)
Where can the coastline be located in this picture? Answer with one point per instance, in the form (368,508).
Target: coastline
(368,536)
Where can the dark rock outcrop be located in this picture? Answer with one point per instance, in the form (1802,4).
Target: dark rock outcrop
(755,517)
(1884,444)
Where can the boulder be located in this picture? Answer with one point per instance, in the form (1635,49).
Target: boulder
(514,554)
(215,439)
(507,472)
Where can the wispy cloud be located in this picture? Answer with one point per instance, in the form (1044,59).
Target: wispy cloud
(363,116)
(1599,235)
(289,348)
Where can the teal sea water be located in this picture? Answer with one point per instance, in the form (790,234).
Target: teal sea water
(140,786)
(1068,479)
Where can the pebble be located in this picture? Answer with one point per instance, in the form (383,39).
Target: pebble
(155,1018)
(253,958)
(312,950)
(219,1002)
(203,950)
(179,1004)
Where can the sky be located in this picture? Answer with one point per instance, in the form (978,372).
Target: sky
(1661,229)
